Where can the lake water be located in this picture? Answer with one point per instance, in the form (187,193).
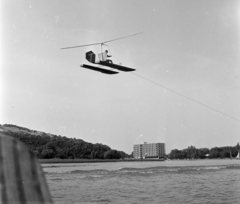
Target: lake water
(173,182)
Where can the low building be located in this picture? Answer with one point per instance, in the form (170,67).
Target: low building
(151,150)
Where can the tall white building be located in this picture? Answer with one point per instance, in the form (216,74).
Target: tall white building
(151,150)
(137,151)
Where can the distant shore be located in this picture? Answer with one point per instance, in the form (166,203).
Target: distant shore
(53,161)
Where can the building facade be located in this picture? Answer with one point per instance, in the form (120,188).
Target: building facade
(137,151)
(151,150)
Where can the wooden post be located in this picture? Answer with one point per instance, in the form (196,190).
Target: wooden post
(21,176)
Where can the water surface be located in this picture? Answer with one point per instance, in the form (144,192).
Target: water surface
(199,181)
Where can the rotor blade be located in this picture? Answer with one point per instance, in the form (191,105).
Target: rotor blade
(80,46)
(123,37)
(101,42)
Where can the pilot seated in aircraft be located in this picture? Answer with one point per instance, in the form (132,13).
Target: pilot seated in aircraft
(108,60)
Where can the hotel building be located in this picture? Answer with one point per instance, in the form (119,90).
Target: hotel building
(151,150)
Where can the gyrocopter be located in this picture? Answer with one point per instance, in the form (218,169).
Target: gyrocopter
(103,58)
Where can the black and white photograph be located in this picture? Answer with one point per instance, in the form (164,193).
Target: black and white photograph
(120,101)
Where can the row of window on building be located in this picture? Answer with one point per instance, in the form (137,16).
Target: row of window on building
(149,150)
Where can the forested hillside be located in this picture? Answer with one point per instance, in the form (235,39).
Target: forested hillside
(47,146)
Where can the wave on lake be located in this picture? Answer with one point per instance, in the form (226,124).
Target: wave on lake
(149,170)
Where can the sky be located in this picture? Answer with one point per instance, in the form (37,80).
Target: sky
(185,90)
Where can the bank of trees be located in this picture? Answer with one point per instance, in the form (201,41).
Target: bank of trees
(47,146)
(202,153)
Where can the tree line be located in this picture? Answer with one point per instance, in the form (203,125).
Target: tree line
(203,153)
(46,146)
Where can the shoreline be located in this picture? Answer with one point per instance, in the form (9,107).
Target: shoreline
(53,161)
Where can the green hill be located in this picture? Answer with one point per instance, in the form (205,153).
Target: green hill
(47,146)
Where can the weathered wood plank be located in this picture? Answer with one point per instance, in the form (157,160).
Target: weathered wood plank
(21,176)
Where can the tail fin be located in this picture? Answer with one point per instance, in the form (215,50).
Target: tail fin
(90,56)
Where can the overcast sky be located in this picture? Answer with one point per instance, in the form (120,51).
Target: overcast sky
(191,47)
